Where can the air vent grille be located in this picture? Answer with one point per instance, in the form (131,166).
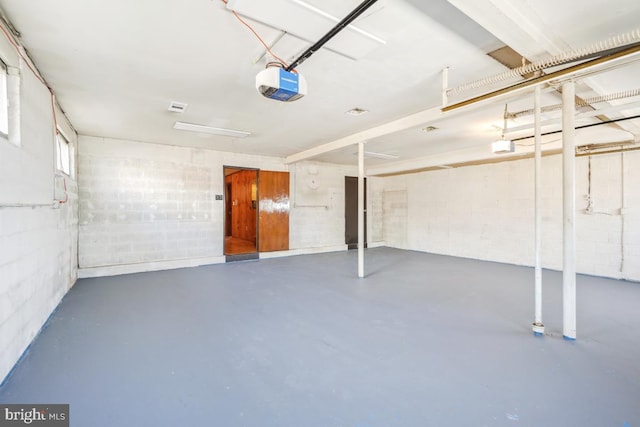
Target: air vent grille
(177,107)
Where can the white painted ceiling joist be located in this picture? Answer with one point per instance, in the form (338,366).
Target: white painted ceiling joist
(208,60)
(433,114)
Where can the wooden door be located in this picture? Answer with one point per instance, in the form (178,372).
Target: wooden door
(243,211)
(227,208)
(273,222)
(351,212)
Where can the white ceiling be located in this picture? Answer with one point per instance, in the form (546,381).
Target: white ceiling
(115,66)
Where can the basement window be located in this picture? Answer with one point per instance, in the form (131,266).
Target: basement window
(63,154)
(4,104)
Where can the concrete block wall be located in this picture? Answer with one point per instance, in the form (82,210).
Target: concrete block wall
(631,216)
(38,234)
(375,232)
(487,212)
(165,203)
(38,267)
(317,204)
(388,211)
(147,206)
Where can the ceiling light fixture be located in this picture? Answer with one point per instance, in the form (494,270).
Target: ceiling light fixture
(210,130)
(503,146)
(429,128)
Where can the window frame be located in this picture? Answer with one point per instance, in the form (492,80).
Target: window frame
(4,100)
(61,141)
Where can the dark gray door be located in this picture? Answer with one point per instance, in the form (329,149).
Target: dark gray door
(351,211)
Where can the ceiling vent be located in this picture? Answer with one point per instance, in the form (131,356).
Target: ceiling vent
(177,107)
(357,111)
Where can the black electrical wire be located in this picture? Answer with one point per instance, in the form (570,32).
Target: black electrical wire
(606,122)
(335,30)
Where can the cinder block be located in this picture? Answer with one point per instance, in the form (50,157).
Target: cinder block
(488,212)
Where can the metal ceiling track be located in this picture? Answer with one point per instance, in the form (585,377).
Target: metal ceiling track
(581,103)
(566,73)
(590,125)
(335,30)
(594,66)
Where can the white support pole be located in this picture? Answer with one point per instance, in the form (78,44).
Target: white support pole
(568,211)
(361,208)
(538,326)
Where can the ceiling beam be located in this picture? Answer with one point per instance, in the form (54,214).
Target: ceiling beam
(475,162)
(582,69)
(515,23)
(586,115)
(385,129)
(422,118)
(448,160)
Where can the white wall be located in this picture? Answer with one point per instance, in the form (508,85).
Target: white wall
(631,216)
(38,235)
(487,212)
(318,201)
(147,206)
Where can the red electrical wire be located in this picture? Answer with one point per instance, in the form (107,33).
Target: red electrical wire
(52,97)
(259,38)
(36,74)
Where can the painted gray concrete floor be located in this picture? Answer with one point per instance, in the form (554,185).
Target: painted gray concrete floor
(424,340)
